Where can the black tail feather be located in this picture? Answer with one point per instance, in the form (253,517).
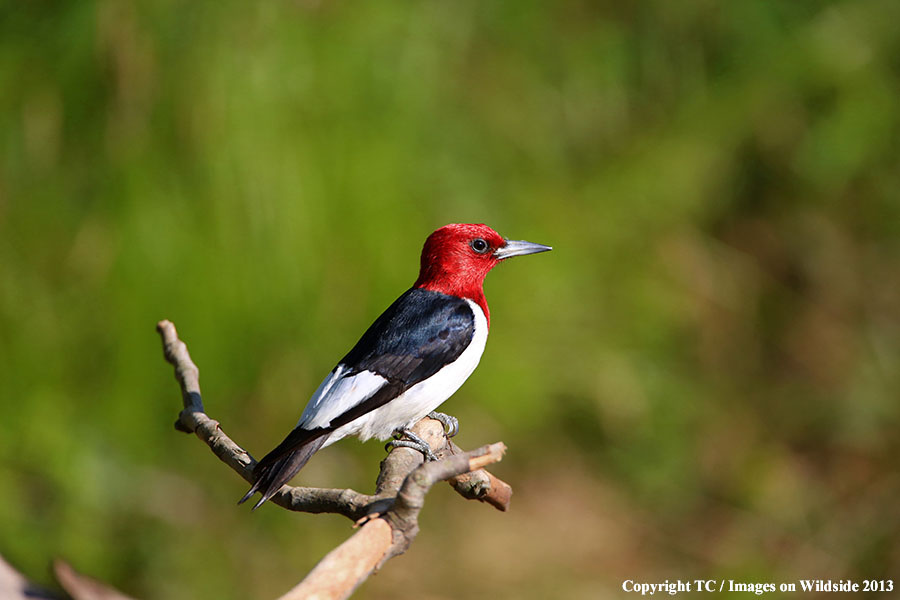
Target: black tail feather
(281,464)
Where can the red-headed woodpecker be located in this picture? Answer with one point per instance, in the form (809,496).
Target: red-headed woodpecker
(412,358)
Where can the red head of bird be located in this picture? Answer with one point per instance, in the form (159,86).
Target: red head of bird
(457,257)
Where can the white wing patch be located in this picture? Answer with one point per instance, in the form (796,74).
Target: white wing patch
(337,394)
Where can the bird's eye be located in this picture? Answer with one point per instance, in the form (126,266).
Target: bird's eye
(479,245)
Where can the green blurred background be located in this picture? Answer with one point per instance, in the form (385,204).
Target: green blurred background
(700,381)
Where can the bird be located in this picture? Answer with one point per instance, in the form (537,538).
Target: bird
(415,355)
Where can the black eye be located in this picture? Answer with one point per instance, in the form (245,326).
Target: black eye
(479,245)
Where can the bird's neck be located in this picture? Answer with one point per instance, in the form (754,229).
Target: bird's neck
(459,287)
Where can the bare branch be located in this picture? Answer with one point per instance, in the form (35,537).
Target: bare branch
(193,419)
(411,497)
(347,566)
(82,587)
(481,485)
(389,517)
(14,586)
(354,505)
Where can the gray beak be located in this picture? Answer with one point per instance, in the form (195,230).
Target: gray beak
(519,248)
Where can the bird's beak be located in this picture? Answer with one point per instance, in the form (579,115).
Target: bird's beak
(519,248)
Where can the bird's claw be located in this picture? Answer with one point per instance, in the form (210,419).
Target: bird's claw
(451,424)
(412,441)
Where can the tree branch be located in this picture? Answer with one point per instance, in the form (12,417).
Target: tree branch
(13,585)
(479,485)
(380,539)
(389,517)
(82,587)
(193,419)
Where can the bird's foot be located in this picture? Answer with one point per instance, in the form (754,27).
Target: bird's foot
(451,424)
(412,441)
